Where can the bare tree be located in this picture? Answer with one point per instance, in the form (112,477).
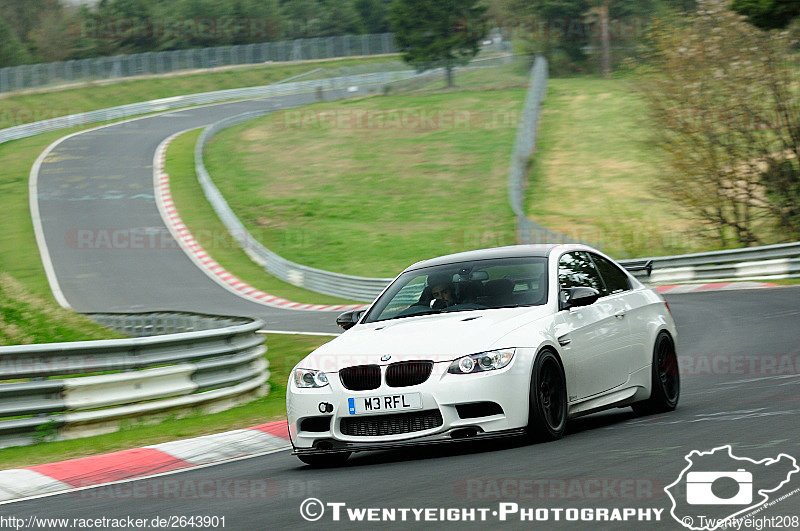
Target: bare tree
(726,112)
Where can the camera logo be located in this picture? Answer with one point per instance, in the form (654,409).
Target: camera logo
(699,488)
(716,487)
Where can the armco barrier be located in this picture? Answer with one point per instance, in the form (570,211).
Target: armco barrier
(165,104)
(320,281)
(326,282)
(67,390)
(528,231)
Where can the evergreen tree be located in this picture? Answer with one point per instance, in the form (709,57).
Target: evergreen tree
(768,14)
(374,15)
(438,33)
(12,52)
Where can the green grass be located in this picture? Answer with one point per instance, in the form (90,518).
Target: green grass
(17,108)
(19,255)
(26,318)
(198,215)
(370,198)
(28,312)
(593,174)
(284,352)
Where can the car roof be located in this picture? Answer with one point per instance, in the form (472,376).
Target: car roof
(511,251)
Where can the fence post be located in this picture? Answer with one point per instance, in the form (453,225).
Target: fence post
(385,43)
(282,54)
(297,50)
(248,54)
(52,73)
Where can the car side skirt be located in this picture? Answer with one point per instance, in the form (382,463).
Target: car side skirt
(636,389)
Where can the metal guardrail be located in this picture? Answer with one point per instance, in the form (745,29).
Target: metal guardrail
(318,280)
(326,282)
(165,104)
(528,231)
(765,262)
(60,390)
(156,63)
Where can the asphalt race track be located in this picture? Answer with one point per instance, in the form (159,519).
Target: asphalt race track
(96,200)
(740,365)
(632,458)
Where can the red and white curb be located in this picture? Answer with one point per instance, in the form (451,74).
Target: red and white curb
(713,286)
(203,259)
(144,462)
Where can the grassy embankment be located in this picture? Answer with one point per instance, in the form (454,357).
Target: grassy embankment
(594,172)
(368,186)
(370,201)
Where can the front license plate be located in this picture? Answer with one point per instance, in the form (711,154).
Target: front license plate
(381,404)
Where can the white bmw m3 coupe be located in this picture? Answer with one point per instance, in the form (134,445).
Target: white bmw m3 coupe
(496,342)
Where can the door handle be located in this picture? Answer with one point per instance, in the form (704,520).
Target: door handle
(619,314)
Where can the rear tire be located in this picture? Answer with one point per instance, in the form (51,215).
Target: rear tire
(325,460)
(666,383)
(547,399)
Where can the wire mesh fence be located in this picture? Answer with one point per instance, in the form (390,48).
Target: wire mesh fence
(155,63)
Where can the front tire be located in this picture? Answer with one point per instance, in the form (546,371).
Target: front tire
(547,399)
(666,383)
(325,460)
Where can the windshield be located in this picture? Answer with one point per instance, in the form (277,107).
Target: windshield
(463,286)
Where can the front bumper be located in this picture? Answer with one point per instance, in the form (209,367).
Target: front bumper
(441,392)
(422,441)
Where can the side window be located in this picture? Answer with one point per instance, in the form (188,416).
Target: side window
(577,270)
(615,279)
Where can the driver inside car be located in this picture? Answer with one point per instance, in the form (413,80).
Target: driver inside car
(442,292)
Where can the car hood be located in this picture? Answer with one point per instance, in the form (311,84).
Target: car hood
(438,337)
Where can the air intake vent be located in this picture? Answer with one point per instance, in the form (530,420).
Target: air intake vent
(478,409)
(379,425)
(316,424)
(405,373)
(361,377)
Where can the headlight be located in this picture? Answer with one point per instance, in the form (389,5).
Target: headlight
(484,361)
(310,378)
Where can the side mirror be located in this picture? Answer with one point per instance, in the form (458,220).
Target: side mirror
(574,297)
(348,320)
